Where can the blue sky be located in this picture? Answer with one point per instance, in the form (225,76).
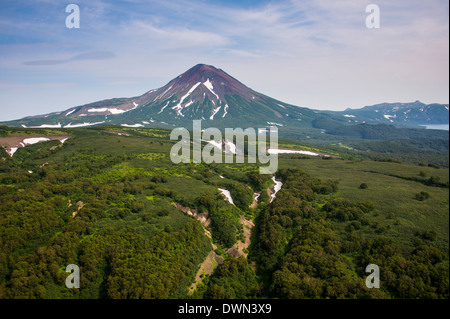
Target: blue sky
(317,54)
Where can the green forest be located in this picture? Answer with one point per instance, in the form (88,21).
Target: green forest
(109,200)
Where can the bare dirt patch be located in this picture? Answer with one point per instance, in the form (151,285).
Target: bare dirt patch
(255,200)
(238,248)
(10,142)
(211,262)
(201,217)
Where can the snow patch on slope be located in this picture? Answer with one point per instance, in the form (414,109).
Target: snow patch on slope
(132,125)
(179,106)
(12,151)
(273,123)
(161,95)
(225,110)
(70,112)
(82,124)
(215,112)
(34,140)
(47,126)
(162,109)
(112,110)
(227,195)
(231,146)
(210,87)
(276,189)
(280,151)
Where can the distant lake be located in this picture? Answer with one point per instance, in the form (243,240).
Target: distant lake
(437,127)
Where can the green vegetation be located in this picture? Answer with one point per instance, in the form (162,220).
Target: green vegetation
(313,252)
(116,206)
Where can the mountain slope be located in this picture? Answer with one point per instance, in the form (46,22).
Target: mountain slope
(202,92)
(402,113)
(207,93)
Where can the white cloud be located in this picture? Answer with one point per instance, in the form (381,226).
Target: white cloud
(174,36)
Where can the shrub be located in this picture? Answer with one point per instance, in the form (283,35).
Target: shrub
(163,212)
(427,234)
(422,196)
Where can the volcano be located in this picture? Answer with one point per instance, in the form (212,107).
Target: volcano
(210,94)
(202,92)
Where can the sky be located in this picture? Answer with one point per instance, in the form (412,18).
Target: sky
(311,53)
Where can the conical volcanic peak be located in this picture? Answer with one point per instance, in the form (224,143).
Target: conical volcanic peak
(202,92)
(217,82)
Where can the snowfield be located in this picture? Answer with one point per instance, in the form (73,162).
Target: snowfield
(46,126)
(281,151)
(34,140)
(14,143)
(215,144)
(231,146)
(12,151)
(164,93)
(273,123)
(82,124)
(112,110)
(210,87)
(70,112)
(276,189)
(132,125)
(225,110)
(227,195)
(215,112)
(179,106)
(162,109)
